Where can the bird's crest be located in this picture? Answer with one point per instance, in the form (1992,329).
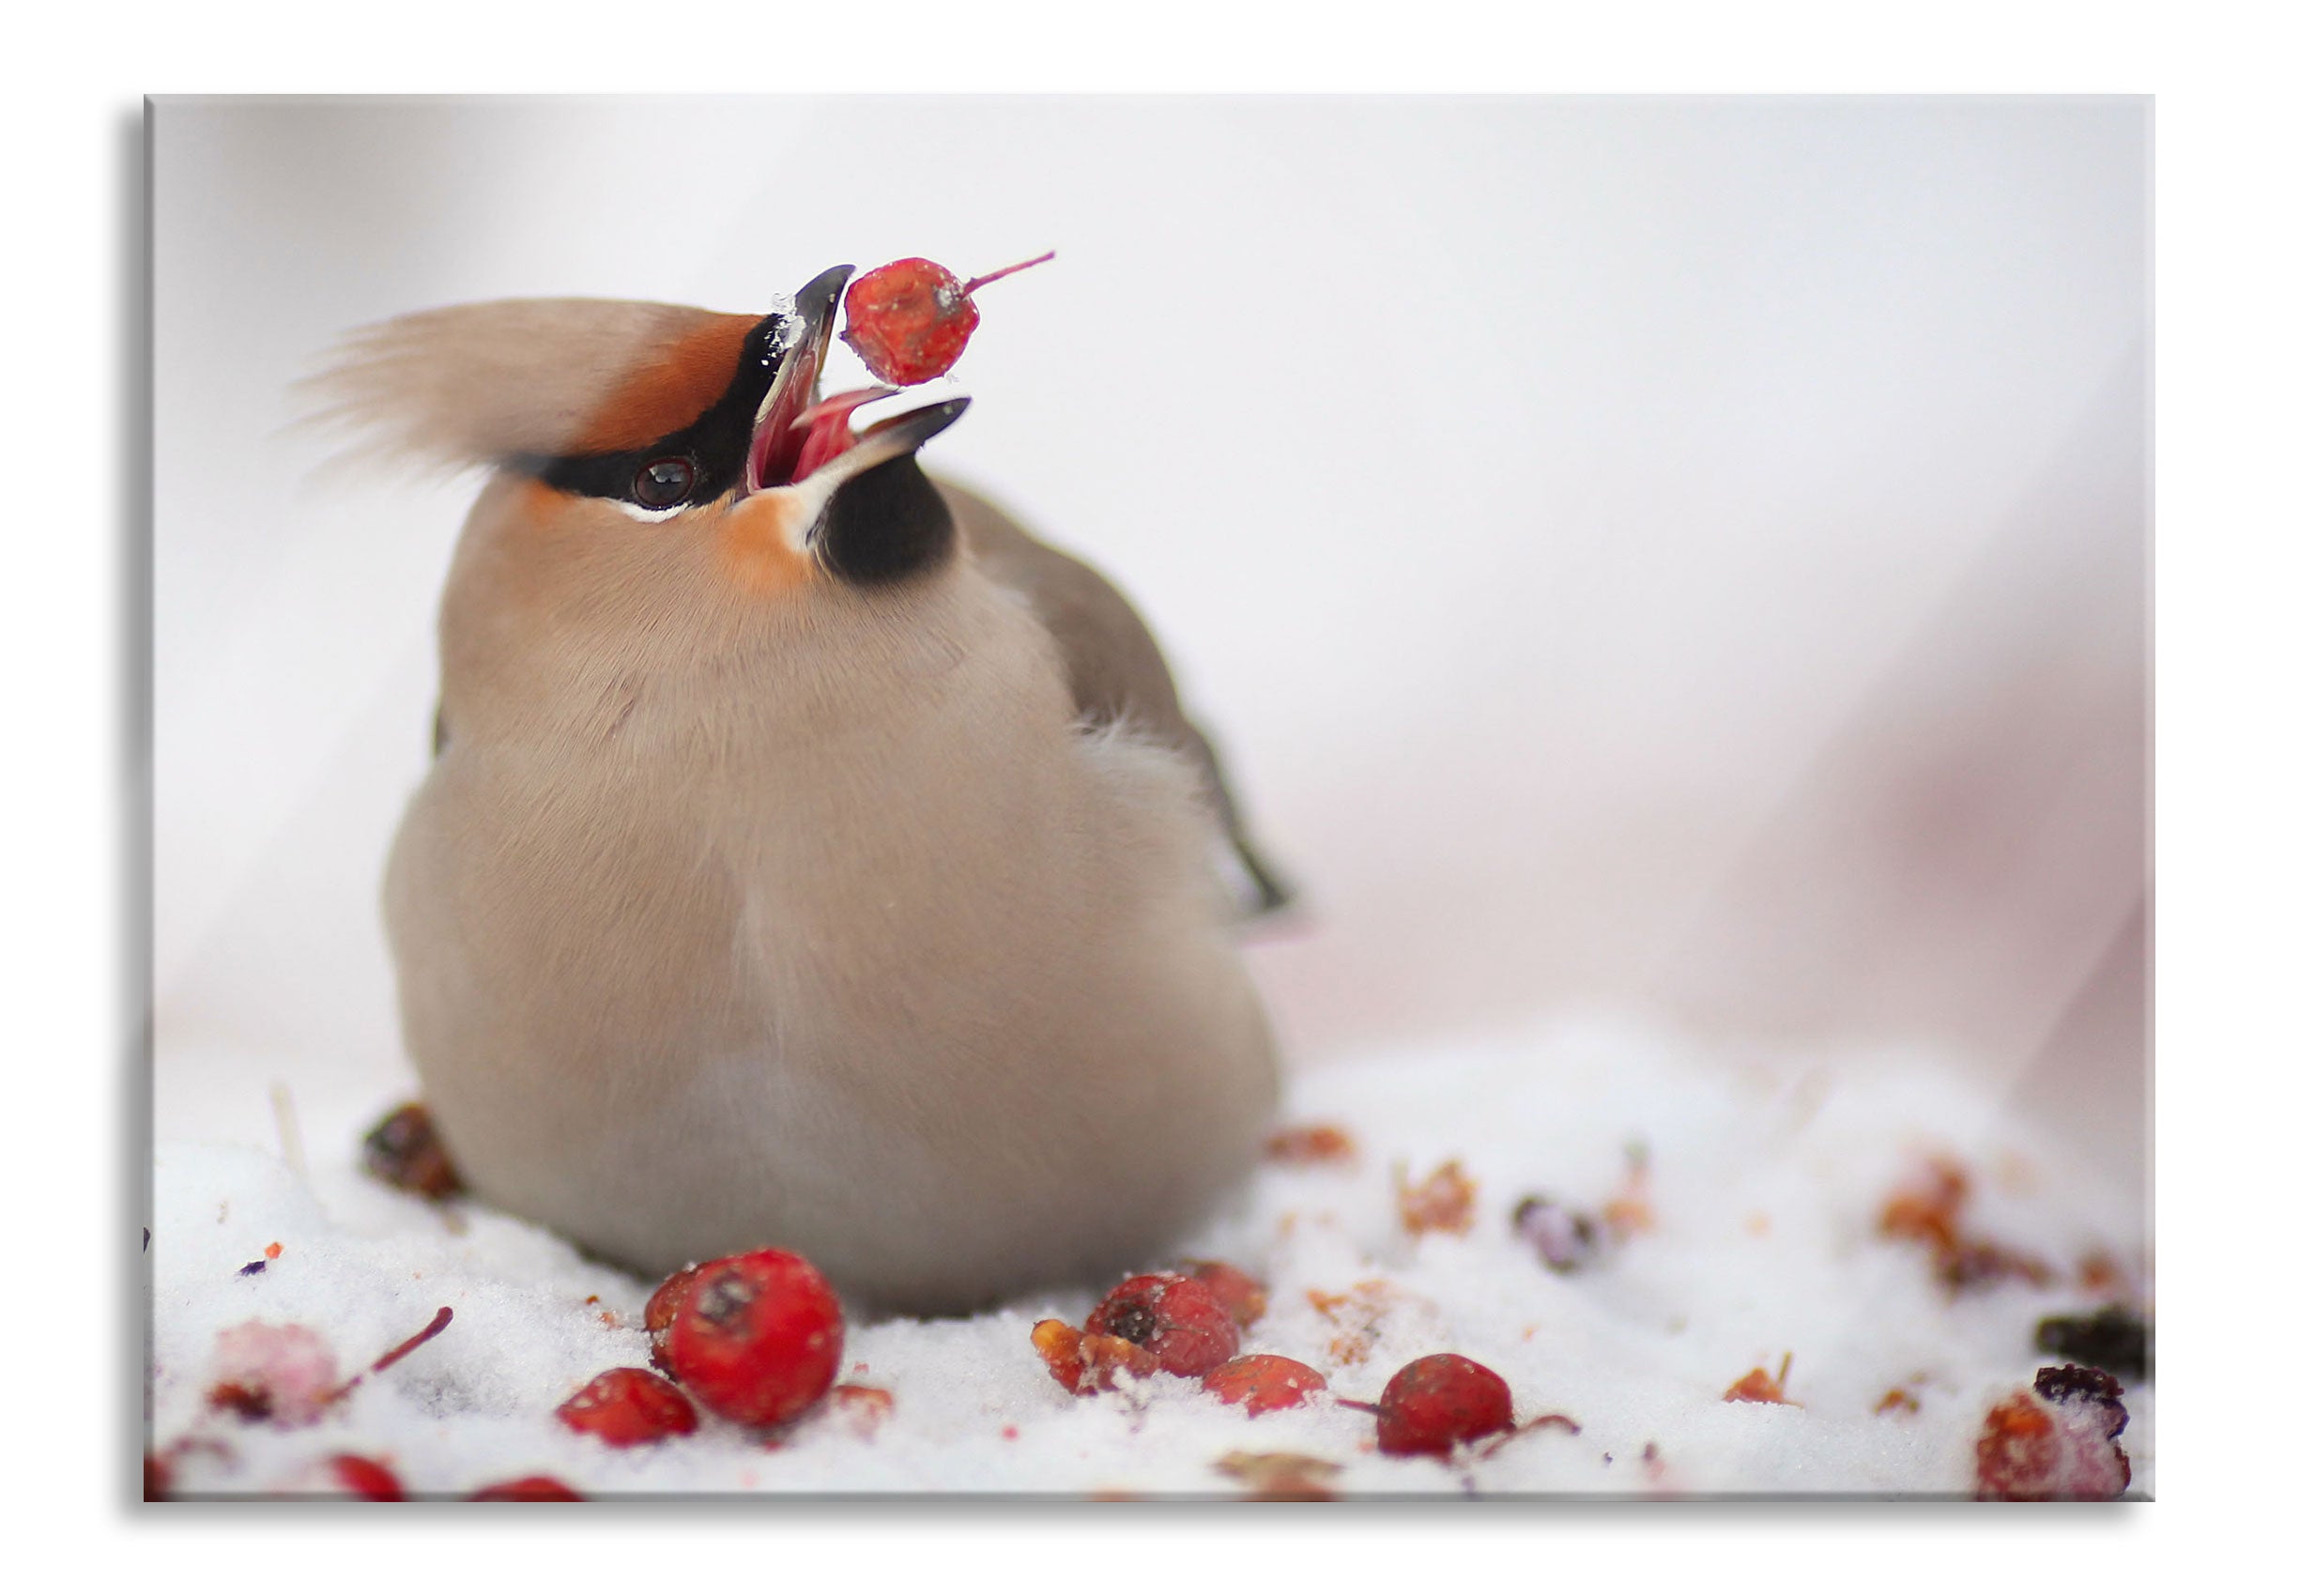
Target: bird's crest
(480,384)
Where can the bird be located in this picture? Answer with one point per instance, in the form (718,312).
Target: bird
(810,857)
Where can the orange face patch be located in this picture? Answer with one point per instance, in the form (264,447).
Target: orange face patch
(669,391)
(759,541)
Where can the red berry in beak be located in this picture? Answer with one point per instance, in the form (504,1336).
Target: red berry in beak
(1177,1320)
(910,321)
(758,1337)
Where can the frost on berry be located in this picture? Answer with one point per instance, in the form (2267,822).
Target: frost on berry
(1563,1239)
(282,1375)
(1177,1320)
(628,1408)
(2057,1444)
(1085,1364)
(1445,1202)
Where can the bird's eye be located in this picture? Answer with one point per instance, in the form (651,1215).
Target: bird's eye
(662,483)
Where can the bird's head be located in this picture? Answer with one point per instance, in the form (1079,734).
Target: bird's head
(666,480)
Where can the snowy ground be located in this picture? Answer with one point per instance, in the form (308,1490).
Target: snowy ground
(1765,1181)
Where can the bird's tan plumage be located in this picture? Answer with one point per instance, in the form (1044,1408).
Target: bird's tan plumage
(874,922)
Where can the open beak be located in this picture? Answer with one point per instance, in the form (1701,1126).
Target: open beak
(776,442)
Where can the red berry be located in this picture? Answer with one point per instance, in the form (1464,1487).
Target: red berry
(1434,1404)
(758,1337)
(1083,1364)
(1239,1292)
(1263,1381)
(910,320)
(529,1488)
(628,1408)
(366,1478)
(1177,1320)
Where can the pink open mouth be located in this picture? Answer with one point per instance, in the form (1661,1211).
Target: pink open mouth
(828,428)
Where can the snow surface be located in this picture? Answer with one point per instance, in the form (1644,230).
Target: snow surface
(1766,1177)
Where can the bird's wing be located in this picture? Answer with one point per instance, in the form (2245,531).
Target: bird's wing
(1112,662)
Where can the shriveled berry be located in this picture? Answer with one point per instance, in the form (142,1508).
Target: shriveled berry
(1434,1404)
(628,1408)
(2057,1444)
(364,1477)
(405,1150)
(910,320)
(758,1338)
(527,1488)
(1085,1364)
(1177,1320)
(1263,1381)
(1245,1296)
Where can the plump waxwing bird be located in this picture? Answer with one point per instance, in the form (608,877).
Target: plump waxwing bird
(810,858)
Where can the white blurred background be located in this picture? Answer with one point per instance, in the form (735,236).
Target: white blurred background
(1681,558)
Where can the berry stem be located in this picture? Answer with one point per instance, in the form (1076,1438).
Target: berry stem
(974,282)
(1361,1406)
(438,1322)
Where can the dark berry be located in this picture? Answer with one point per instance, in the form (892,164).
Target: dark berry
(2111,1338)
(405,1150)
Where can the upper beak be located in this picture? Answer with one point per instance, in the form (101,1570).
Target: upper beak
(774,445)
